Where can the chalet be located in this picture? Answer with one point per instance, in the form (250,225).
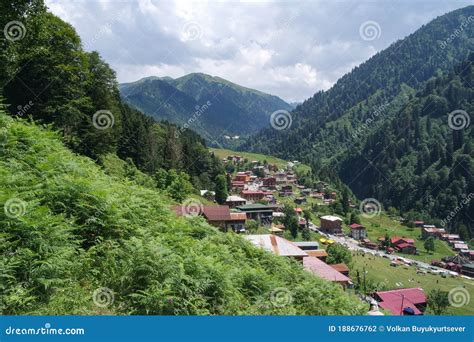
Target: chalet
(237,185)
(216,215)
(242,177)
(333,195)
(258,212)
(319,253)
(318,195)
(449,237)
(307,245)
(460,247)
(410,301)
(418,223)
(331,224)
(322,270)
(432,232)
(306,191)
(302,223)
(280,177)
(298,211)
(235,201)
(237,222)
(277,245)
(406,248)
(269,182)
(403,245)
(342,268)
(358,231)
(369,244)
(253,195)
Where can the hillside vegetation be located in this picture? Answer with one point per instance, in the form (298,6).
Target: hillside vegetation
(383,127)
(70,231)
(211,106)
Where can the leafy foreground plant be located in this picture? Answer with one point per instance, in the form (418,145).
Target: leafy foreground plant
(74,240)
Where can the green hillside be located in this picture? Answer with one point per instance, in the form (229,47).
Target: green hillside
(75,240)
(219,107)
(383,127)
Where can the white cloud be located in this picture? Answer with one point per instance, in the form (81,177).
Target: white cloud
(290,49)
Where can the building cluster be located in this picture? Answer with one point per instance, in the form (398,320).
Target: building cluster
(312,258)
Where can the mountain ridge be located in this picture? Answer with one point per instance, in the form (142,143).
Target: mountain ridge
(233,109)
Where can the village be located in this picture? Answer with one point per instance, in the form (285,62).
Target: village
(262,194)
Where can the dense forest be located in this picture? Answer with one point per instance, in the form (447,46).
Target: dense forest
(416,161)
(347,124)
(47,76)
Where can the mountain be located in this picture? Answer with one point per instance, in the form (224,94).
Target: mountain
(212,106)
(333,126)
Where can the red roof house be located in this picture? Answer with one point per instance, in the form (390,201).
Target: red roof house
(322,270)
(398,300)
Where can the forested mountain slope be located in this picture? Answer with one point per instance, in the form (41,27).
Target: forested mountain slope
(333,126)
(423,158)
(77,241)
(222,107)
(49,77)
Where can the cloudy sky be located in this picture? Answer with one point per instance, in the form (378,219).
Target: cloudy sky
(288,48)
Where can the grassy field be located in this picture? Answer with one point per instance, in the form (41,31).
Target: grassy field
(222,153)
(380,225)
(379,270)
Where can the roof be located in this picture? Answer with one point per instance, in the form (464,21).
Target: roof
(307,244)
(356,226)
(406,240)
(318,253)
(276,245)
(404,245)
(216,212)
(331,218)
(238,216)
(392,300)
(252,192)
(322,270)
(256,206)
(234,198)
(340,267)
